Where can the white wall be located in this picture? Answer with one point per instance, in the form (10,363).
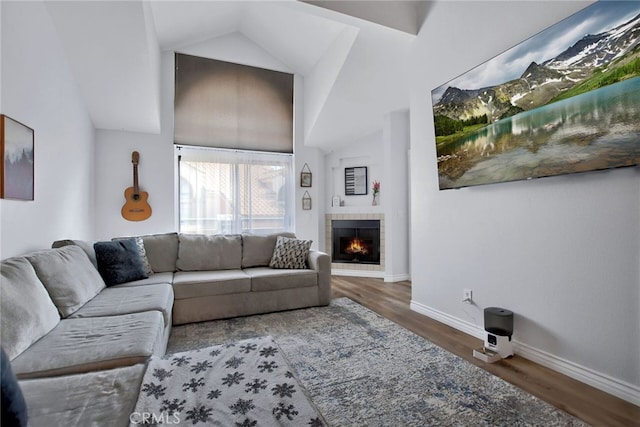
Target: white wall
(157,160)
(385,154)
(114,173)
(309,223)
(563,253)
(366,151)
(395,189)
(1,27)
(38,90)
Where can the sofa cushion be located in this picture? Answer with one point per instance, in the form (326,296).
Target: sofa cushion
(154,279)
(193,284)
(201,252)
(162,251)
(119,261)
(27,310)
(269,279)
(91,344)
(85,245)
(117,300)
(12,403)
(290,253)
(68,275)
(257,250)
(102,398)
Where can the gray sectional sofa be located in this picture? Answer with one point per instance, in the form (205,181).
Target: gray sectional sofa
(79,347)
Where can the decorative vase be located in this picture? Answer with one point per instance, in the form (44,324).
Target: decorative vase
(374,202)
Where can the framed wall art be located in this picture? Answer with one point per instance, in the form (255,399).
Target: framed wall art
(560,102)
(306,201)
(305,176)
(355,181)
(17,150)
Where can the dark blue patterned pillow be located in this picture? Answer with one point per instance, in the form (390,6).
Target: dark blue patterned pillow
(14,408)
(119,261)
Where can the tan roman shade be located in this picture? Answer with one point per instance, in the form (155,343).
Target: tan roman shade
(225,105)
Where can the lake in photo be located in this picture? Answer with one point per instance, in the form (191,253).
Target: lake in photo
(599,129)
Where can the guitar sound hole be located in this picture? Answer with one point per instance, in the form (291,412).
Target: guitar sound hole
(136,197)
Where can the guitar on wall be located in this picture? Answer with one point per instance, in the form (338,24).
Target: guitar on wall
(136,207)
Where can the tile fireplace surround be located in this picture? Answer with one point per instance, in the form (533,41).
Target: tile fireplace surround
(350,269)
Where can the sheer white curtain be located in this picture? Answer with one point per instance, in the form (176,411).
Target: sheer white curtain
(231,191)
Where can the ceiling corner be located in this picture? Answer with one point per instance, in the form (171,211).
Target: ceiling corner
(115,61)
(397,14)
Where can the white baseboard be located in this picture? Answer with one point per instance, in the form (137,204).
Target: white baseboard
(461,325)
(357,273)
(606,383)
(396,277)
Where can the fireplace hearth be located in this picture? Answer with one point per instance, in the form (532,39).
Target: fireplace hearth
(355,241)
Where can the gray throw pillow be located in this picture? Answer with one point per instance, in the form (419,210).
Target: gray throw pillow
(119,261)
(69,276)
(290,253)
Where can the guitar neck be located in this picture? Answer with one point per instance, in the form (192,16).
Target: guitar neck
(136,189)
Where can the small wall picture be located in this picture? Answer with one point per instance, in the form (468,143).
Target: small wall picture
(306,201)
(305,176)
(305,179)
(16,148)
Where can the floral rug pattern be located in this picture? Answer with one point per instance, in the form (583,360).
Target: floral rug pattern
(245,383)
(362,369)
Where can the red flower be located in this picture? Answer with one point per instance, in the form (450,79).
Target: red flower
(376,187)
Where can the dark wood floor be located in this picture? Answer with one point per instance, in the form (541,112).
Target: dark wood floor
(392,300)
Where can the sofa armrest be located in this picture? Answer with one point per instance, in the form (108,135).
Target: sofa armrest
(321,262)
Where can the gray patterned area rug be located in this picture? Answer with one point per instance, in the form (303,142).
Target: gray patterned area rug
(244,383)
(362,369)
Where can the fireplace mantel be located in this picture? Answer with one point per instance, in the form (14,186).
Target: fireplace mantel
(354,210)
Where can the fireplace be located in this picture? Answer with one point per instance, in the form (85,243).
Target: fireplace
(355,241)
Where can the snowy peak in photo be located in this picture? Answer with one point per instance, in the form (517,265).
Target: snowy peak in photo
(550,80)
(537,74)
(599,49)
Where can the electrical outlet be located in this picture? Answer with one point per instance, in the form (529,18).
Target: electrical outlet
(467,296)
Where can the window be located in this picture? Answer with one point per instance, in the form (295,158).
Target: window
(229,191)
(223,111)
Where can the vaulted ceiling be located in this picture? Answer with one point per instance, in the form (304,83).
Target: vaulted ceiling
(353,55)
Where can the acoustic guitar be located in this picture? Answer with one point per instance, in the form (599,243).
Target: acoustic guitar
(136,207)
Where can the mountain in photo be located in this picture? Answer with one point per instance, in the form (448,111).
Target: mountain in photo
(593,61)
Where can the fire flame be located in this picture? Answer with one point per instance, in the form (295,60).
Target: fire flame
(357,246)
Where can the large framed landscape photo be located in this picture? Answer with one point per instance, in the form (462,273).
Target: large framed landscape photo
(560,102)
